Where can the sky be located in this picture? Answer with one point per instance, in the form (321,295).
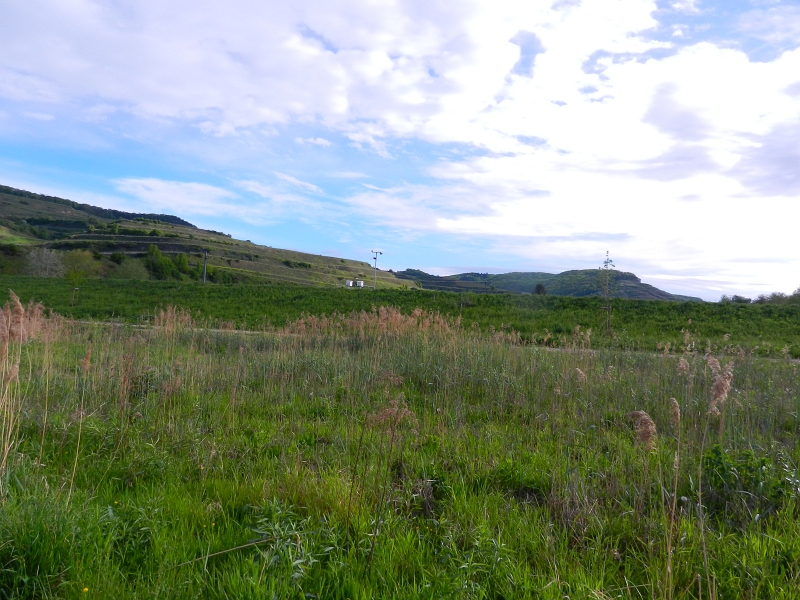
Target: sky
(453,135)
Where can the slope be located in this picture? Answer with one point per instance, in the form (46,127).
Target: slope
(577,283)
(28,219)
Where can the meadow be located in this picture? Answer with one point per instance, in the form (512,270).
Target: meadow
(760,329)
(388,454)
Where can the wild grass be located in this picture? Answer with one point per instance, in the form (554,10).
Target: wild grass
(389,455)
(763,329)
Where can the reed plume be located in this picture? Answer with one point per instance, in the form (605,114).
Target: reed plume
(16,330)
(720,388)
(646,432)
(713,365)
(392,415)
(683,366)
(675,413)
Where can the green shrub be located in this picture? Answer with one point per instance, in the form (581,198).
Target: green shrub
(159,266)
(742,487)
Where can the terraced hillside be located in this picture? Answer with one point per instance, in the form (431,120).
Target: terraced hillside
(28,220)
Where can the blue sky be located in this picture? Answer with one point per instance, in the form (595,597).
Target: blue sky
(454,136)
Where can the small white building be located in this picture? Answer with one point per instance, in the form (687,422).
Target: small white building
(359,283)
(348,283)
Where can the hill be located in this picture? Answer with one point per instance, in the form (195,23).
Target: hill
(33,206)
(28,219)
(578,283)
(114,237)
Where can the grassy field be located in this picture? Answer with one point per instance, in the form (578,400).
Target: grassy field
(387,455)
(766,330)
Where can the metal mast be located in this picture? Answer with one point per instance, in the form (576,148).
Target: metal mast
(375,254)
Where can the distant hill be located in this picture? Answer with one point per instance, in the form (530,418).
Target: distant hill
(43,209)
(28,220)
(569,283)
(120,240)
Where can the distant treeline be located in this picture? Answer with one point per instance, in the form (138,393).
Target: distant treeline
(103,213)
(773,298)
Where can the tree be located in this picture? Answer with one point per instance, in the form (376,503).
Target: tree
(159,265)
(80,264)
(43,262)
(130,269)
(540,290)
(181,263)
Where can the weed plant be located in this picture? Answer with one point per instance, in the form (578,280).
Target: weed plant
(389,455)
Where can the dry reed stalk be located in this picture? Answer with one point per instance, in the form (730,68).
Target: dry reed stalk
(16,329)
(392,415)
(172,319)
(86,363)
(12,375)
(389,418)
(124,387)
(675,413)
(389,378)
(378,322)
(85,367)
(580,375)
(5,322)
(17,326)
(646,432)
(232,396)
(720,388)
(608,374)
(48,334)
(512,337)
(10,407)
(34,322)
(581,339)
(683,366)
(12,336)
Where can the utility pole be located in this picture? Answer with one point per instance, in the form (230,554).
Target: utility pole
(375,254)
(205,262)
(606,282)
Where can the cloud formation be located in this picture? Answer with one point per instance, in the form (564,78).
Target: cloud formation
(565,127)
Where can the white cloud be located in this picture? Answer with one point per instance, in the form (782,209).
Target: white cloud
(189,198)
(37,116)
(348,175)
(776,24)
(624,128)
(178,197)
(310,187)
(689,6)
(314,141)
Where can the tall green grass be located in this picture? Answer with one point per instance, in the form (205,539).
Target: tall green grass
(766,330)
(391,455)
